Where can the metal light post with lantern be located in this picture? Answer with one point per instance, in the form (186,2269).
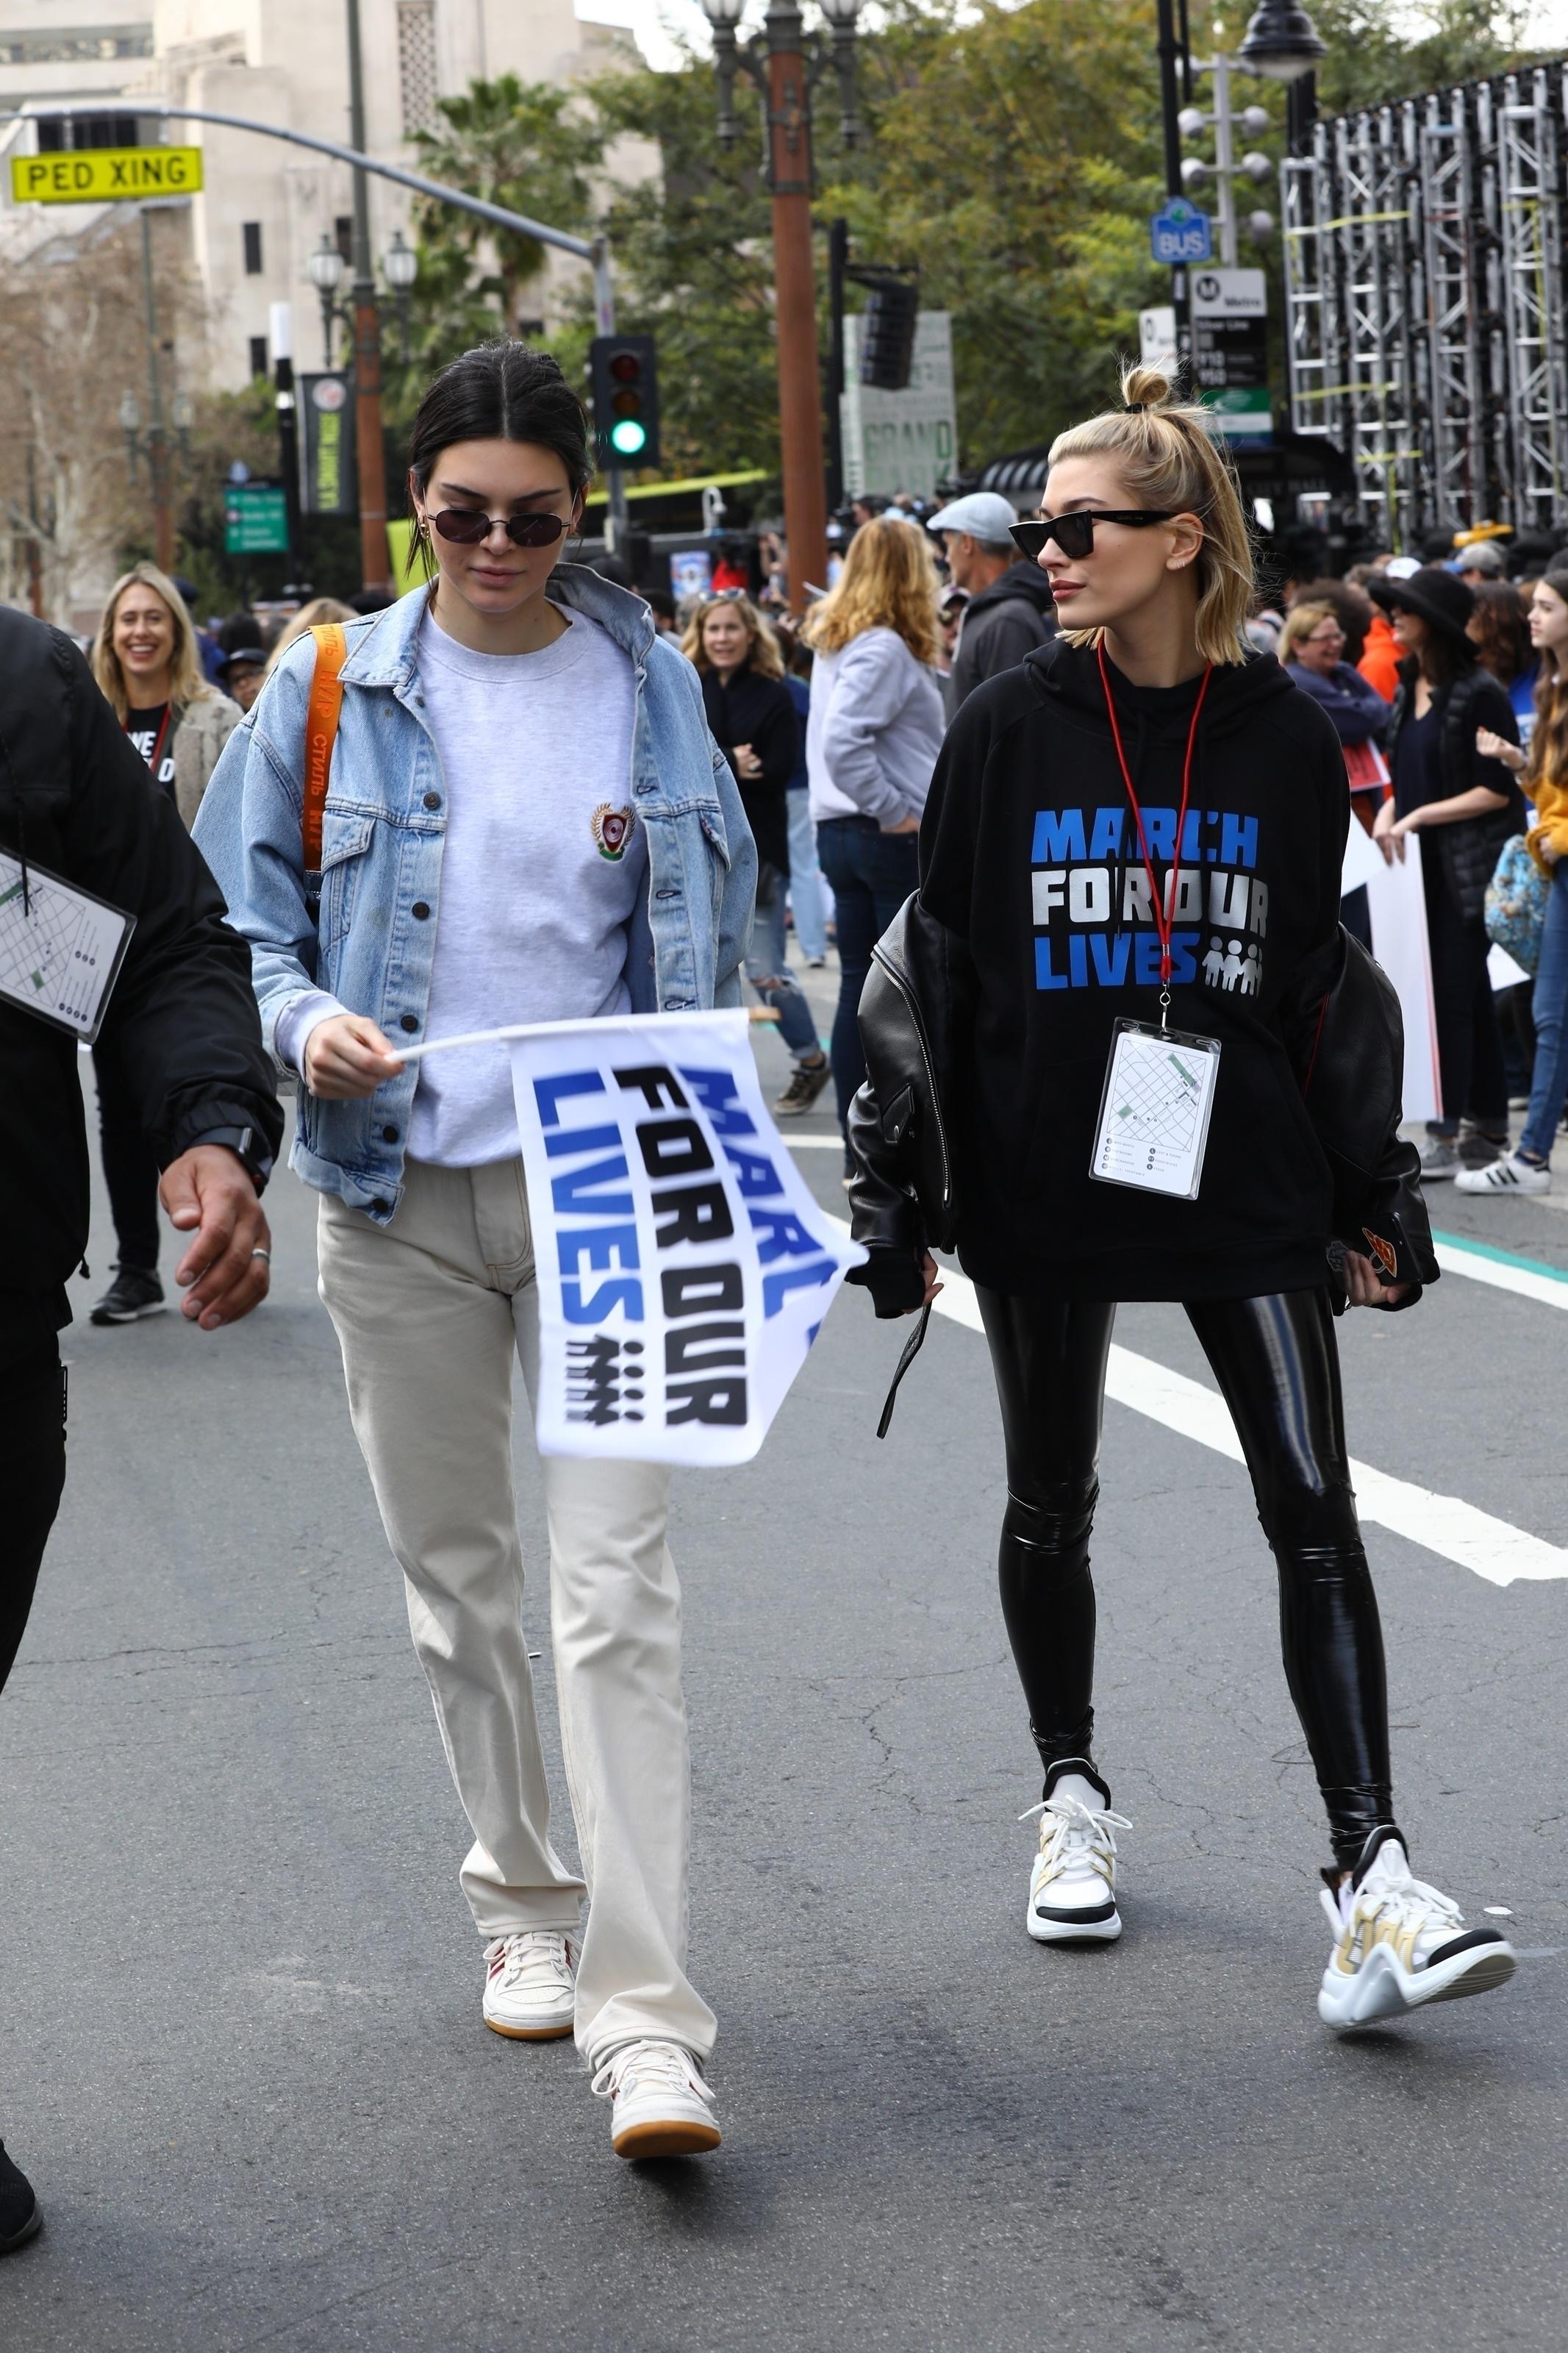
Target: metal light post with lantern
(326,270)
(786,64)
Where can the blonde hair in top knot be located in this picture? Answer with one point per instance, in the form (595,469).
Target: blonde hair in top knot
(1168,458)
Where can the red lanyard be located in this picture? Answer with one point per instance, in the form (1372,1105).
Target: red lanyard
(1165,917)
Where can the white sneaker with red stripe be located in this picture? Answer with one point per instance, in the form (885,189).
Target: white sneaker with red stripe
(531,1987)
(660,2104)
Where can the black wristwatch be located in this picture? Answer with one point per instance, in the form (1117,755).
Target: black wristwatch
(246,1144)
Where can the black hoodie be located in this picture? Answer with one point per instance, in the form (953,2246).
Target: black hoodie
(1029,852)
(1001,626)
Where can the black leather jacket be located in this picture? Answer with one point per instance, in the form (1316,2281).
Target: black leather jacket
(915,1015)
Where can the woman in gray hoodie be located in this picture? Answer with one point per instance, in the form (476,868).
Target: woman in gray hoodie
(872,737)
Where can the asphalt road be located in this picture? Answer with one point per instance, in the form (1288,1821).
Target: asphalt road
(240,2046)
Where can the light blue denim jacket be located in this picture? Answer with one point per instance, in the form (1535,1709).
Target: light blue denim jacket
(382,838)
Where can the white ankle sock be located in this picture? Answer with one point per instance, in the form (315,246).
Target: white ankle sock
(1078,1785)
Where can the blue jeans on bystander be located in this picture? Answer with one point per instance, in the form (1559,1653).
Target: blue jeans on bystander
(767,969)
(871,874)
(1549,1083)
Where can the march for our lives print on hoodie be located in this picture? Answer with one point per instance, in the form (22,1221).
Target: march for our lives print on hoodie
(1030,854)
(1094,910)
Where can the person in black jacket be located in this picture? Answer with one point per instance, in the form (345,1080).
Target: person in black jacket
(751,714)
(1465,806)
(1119,1049)
(1009,611)
(77,802)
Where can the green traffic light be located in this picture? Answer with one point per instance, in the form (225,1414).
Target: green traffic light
(627,437)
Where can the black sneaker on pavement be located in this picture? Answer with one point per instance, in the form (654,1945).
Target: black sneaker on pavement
(132,1294)
(804,1088)
(20,2219)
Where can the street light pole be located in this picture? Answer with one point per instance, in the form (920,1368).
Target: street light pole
(157,433)
(786,80)
(1170,104)
(376,561)
(794,304)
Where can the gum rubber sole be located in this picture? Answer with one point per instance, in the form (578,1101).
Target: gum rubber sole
(530,2033)
(666,2139)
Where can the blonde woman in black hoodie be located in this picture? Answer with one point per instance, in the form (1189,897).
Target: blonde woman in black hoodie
(1119,1049)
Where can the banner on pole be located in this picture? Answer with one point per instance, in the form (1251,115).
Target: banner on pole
(683,1265)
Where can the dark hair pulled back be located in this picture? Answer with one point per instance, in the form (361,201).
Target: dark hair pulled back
(501,392)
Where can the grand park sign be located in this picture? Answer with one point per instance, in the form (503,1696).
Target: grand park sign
(97,175)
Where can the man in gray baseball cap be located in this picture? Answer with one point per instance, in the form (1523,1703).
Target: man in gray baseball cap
(1009,612)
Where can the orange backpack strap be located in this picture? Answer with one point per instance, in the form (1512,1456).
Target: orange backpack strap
(322,716)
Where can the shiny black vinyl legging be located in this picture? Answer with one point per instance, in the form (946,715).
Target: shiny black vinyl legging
(1276,1364)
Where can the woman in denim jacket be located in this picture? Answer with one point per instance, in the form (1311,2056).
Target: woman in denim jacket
(527,821)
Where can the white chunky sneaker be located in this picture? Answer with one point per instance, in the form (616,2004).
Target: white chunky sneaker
(1511,1174)
(1072,1887)
(660,2104)
(1399,1943)
(530,1990)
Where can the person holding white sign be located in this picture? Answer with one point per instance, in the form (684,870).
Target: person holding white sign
(525,820)
(1543,773)
(1119,1049)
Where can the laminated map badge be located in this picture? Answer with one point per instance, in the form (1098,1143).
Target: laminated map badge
(60,949)
(1154,1112)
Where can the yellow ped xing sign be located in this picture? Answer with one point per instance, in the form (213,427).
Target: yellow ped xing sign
(97,175)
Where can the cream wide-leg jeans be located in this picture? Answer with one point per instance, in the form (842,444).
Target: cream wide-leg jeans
(429,1312)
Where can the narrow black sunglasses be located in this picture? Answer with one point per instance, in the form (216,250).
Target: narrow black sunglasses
(1073,534)
(468,526)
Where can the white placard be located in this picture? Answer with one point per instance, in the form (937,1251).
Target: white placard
(683,1265)
(1397,907)
(61,949)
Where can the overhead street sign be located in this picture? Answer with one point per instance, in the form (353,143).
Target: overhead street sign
(1180,234)
(99,175)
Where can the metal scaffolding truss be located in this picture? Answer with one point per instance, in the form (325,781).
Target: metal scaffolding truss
(1424,303)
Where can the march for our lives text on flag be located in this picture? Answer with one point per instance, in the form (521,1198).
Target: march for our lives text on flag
(683,1266)
(1094,913)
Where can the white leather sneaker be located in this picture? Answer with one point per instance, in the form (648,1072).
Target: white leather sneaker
(1072,1887)
(1399,1943)
(660,2104)
(530,1990)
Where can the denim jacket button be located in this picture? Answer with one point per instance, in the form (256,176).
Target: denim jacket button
(389,1136)
(409,1021)
(432,800)
(419,910)
(381,1209)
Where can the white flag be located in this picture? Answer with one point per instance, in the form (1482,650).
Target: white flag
(683,1266)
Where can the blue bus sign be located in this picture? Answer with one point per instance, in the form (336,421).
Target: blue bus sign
(1181,234)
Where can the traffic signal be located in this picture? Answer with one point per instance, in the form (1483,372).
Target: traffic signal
(625,399)
(887,332)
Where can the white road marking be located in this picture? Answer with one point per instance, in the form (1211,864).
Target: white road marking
(1502,1271)
(1444,1525)
(815,1143)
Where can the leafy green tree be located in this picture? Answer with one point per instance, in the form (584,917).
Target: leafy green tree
(530,146)
(1375,54)
(693,262)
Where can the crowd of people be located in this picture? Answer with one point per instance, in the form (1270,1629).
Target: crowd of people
(996,812)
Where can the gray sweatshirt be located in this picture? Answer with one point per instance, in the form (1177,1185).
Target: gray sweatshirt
(874,730)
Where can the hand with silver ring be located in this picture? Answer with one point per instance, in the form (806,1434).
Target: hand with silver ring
(259,1252)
